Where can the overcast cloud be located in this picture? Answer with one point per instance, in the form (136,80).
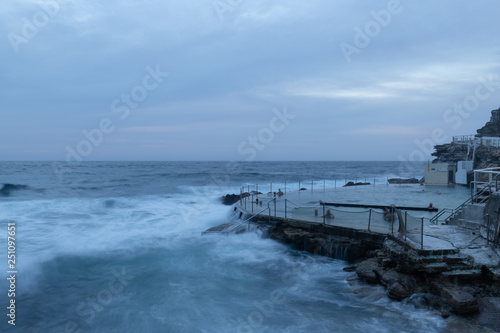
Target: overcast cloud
(247,80)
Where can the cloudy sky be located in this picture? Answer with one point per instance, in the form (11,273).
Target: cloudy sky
(244,79)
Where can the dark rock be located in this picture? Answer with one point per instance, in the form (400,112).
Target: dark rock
(403,181)
(445,314)
(492,127)
(388,263)
(387,277)
(491,274)
(461,301)
(354,281)
(355,184)
(366,271)
(350,268)
(399,291)
(489,308)
(434,301)
(400,286)
(484,156)
(231,199)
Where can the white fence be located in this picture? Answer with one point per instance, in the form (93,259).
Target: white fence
(483,141)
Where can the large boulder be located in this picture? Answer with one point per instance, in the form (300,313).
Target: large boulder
(461,301)
(366,270)
(399,290)
(399,286)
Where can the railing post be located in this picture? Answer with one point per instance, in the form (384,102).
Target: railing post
(312,185)
(422,235)
(369,219)
(252,203)
(393,219)
(406,221)
(488,228)
(285,207)
(274,207)
(324,217)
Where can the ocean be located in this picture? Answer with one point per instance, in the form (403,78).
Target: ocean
(117,247)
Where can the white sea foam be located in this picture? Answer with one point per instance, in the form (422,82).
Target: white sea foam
(72,247)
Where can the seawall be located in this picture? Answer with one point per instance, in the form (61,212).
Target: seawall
(332,241)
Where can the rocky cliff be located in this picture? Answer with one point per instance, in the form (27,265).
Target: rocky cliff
(492,127)
(485,157)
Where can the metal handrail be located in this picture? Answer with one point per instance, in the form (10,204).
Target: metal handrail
(234,226)
(486,187)
(443,211)
(248,219)
(467,202)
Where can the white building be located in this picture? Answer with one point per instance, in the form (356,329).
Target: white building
(439,173)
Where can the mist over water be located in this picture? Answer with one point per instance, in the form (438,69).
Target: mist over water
(117,247)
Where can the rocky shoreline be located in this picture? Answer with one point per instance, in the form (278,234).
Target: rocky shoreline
(447,283)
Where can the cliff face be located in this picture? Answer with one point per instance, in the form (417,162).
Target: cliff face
(450,153)
(486,156)
(492,127)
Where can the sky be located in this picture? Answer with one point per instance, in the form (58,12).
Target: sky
(244,80)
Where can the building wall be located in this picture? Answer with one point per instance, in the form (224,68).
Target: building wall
(462,169)
(437,173)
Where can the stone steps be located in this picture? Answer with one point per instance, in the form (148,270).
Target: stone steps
(463,276)
(469,224)
(470,216)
